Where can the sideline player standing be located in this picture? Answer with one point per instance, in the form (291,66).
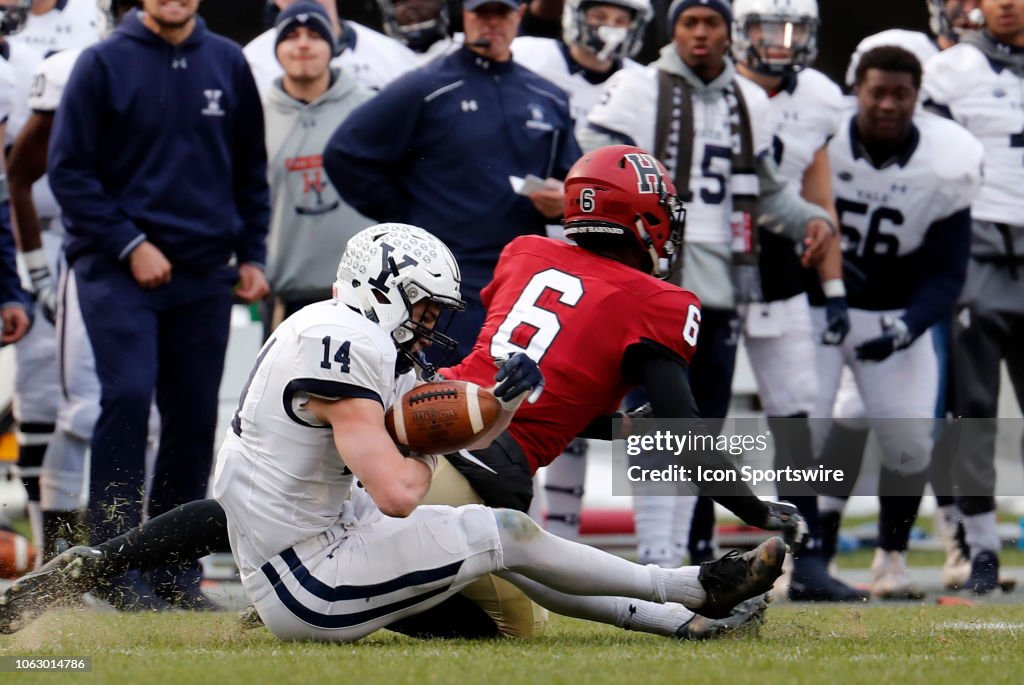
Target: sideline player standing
(904,184)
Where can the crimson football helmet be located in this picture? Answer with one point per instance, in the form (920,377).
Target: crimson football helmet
(621,190)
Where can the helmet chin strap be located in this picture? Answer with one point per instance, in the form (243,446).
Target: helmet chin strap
(649,244)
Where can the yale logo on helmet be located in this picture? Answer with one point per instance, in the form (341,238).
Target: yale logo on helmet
(388,266)
(648,175)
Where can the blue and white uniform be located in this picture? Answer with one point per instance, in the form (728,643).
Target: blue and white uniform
(906,227)
(316,556)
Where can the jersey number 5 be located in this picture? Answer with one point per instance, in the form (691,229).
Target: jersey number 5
(529,327)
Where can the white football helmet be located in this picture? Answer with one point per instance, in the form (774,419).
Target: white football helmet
(775,36)
(14,16)
(606,42)
(388,268)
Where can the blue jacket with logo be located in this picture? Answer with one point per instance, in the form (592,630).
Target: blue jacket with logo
(436,147)
(162,143)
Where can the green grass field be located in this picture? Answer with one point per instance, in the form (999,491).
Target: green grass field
(903,645)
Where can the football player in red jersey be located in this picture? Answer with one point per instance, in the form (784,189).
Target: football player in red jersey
(599,322)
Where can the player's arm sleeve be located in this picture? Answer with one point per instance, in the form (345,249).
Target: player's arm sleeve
(249,165)
(354,369)
(780,209)
(936,92)
(365,153)
(665,377)
(944,254)
(607,123)
(74,158)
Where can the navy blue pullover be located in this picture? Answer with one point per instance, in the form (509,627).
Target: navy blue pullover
(436,148)
(162,143)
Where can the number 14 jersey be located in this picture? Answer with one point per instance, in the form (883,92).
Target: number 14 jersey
(575,313)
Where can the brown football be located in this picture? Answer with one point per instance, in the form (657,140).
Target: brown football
(442,417)
(17,555)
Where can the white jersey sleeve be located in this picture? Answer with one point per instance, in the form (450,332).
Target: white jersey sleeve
(804,117)
(957,158)
(627,111)
(70,24)
(373,58)
(989,102)
(6,90)
(259,53)
(50,79)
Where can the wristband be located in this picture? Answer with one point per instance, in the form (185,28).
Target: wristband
(834,287)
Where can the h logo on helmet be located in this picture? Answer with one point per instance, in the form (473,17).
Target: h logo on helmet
(648,175)
(388,266)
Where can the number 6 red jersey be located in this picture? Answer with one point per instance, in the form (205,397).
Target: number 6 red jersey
(575,313)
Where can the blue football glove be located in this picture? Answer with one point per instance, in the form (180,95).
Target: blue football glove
(895,336)
(518,374)
(837,318)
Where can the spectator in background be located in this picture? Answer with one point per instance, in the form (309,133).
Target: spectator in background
(442,148)
(980,84)
(423,26)
(373,59)
(157,159)
(309,224)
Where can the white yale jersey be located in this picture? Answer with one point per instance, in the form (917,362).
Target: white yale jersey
(804,116)
(989,102)
(550,58)
(885,215)
(630,111)
(279,475)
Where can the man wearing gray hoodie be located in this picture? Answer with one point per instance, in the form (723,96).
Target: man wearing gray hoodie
(310,223)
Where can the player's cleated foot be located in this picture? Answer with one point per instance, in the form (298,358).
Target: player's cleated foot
(890,579)
(984,573)
(811,582)
(61,580)
(249,618)
(737,577)
(746,618)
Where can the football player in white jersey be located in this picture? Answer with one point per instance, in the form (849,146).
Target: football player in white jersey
(980,84)
(324,559)
(374,59)
(701,149)
(904,183)
(774,42)
(420,25)
(598,39)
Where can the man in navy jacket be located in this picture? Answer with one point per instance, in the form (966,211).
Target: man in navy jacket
(157,160)
(439,147)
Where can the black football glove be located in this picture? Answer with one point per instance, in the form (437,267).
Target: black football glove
(784,517)
(895,336)
(837,321)
(516,376)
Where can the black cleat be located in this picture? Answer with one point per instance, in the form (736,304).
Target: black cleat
(811,582)
(62,580)
(746,618)
(984,576)
(737,577)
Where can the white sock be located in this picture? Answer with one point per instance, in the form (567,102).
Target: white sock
(682,517)
(628,614)
(980,531)
(653,517)
(563,486)
(577,569)
(828,504)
